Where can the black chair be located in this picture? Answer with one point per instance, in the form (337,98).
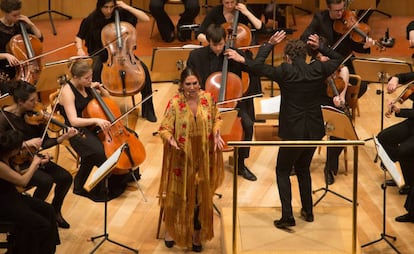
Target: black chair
(50,11)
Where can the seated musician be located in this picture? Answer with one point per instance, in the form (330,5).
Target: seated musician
(224,13)
(398,139)
(16,116)
(9,27)
(75,97)
(90,32)
(34,219)
(209,59)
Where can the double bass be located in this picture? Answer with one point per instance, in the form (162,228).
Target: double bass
(117,135)
(25,47)
(122,74)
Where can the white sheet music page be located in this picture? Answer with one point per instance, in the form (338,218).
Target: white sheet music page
(389,164)
(271,105)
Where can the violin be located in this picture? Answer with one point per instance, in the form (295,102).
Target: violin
(122,74)
(117,135)
(358,32)
(25,47)
(404,95)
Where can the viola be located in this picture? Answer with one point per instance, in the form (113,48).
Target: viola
(117,135)
(122,74)
(357,31)
(26,47)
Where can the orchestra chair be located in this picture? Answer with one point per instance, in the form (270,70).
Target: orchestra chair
(7,228)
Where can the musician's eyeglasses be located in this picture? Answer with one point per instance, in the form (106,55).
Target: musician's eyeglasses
(338,10)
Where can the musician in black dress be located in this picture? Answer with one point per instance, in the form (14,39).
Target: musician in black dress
(300,116)
(36,231)
(9,27)
(209,59)
(90,32)
(13,117)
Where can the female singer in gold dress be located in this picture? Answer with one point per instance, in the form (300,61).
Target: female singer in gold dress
(192,164)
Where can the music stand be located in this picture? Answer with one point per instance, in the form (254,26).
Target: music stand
(52,75)
(387,165)
(50,11)
(95,177)
(170,59)
(337,124)
(375,70)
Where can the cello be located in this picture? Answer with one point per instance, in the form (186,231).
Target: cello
(117,135)
(122,74)
(24,47)
(225,86)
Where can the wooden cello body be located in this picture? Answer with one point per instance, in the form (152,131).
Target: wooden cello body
(24,47)
(122,74)
(118,134)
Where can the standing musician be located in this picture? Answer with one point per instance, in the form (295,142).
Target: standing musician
(224,13)
(16,116)
(36,230)
(300,117)
(75,96)
(9,27)
(398,139)
(322,24)
(209,59)
(90,32)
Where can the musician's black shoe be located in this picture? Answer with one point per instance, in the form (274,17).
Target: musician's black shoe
(307,216)
(405,218)
(329,177)
(183,34)
(197,248)
(246,173)
(150,116)
(61,222)
(169,244)
(285,222)
(405,190)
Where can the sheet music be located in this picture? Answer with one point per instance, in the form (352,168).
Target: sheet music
(271,105)
(97,175)
(389,164)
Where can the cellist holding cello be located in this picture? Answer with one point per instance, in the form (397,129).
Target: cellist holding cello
(9,27)
(90,32)
(75,97)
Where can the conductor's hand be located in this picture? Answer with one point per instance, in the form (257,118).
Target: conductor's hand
(392,85)
(173,143)
(218,141)
(233,55)
(277,37)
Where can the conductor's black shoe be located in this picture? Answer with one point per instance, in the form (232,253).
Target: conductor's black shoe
(197,248)
(169,244)
(246,173)
(405,218)
(405,190)
(329,177)
(285,222)
(307,216)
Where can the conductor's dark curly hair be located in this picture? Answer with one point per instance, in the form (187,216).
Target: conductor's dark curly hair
(295,49)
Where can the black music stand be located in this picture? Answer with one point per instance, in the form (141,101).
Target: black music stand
(50,11)
(337,124)
(375,70)
(386,165)
(52,75)
(96,176)
(170,60)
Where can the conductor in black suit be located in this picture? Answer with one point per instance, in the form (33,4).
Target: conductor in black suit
(300,118)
